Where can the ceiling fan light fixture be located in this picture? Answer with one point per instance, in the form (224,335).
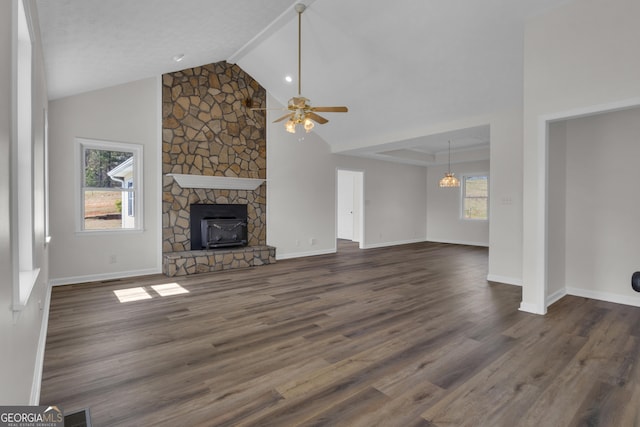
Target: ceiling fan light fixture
(308,125)
(290,126)
(300,110)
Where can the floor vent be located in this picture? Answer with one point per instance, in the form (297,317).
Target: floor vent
(80,418)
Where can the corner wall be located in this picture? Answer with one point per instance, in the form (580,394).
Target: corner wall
(125,113)
(602,206)
(301,193)
(444,211)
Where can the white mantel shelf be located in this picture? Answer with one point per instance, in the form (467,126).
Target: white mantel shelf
(216,182)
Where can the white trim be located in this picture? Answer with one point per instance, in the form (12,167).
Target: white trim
(159,179)
(21,191)
(556,296)
(216,182)
(459,242)
(540,250)
(74,280)
(592,110)
(531,308)
(286,16)
(291,255)
(396,243)
(27,281)
(605,296)
(515,281)
(34,399)
(13,170)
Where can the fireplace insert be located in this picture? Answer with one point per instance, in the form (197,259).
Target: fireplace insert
(218,226)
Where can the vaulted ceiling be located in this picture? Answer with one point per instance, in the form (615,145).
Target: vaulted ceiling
(402,67)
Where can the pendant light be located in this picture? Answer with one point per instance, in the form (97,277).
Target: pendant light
(449,180)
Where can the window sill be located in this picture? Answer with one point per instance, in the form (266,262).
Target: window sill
(27,280)
(109,232)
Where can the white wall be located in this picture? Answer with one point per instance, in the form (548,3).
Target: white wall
(126,113)
(301,182)
(557,197)
(301,196)
(444,220)
(22,341)
(505,198)
(602,206)
(580,57)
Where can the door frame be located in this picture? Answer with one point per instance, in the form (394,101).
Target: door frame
(361,188)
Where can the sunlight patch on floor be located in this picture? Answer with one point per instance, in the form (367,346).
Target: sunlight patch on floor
(131,294)
(140,293)
(169,289)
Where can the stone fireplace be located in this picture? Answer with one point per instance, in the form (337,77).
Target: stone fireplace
(209,131)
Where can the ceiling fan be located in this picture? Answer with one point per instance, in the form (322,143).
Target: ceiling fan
(300,109)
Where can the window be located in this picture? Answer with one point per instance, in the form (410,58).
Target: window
(111,186)
(475,197)
(22,157)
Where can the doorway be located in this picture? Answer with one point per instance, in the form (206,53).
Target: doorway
(349,206)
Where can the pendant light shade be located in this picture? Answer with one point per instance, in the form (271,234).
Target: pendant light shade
(449,180)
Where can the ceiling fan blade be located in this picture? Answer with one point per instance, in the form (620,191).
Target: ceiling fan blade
(313,116)
(288,115)
(331,109)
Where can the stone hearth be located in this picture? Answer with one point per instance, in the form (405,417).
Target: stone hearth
(193,262)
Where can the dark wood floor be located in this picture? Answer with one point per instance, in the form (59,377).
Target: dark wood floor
(405,336)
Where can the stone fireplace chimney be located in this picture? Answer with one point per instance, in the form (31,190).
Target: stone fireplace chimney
(208,130)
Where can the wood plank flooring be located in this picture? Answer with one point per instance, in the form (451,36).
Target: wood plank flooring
(411,335)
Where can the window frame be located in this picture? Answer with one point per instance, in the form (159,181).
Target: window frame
(463,197)
(24,270)
(83,144)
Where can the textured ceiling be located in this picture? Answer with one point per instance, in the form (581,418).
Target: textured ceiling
(90,44)
(407,69)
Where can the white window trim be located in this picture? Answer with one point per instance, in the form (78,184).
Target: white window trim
(137,150)
(24,272)
(463,179)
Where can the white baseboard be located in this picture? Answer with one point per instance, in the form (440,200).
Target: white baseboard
(396,243)
(532,308)
(556,296)
(459,242)
(516,281)
(605,296)
(292,255)
(102,277)
(34,399)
